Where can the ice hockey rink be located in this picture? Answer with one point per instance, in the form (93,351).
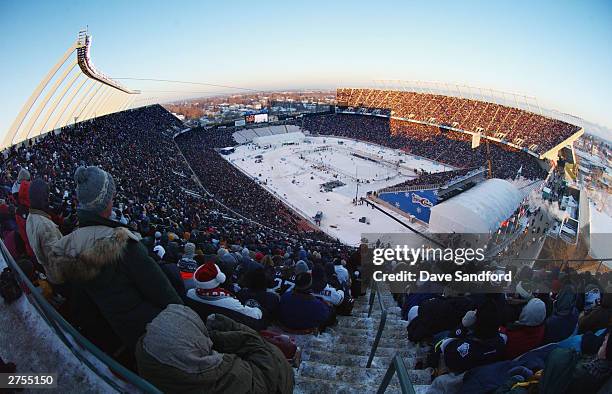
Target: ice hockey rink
(295,170)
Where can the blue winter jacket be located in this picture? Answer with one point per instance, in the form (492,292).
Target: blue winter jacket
(301,311)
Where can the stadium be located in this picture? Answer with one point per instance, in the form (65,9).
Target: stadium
(234,219)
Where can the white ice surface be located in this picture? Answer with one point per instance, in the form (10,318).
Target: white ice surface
(295,172)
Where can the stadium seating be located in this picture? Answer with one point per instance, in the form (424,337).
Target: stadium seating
(222,216)
(450,147)
(522,128)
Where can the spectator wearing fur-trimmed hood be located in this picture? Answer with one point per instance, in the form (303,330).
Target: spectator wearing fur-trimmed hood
(107,264)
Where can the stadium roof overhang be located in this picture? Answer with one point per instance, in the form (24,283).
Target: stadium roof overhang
(553,153)
(68,94)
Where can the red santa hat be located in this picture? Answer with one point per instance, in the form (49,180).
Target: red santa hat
(208,276)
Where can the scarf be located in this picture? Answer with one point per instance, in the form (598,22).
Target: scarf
(211,293)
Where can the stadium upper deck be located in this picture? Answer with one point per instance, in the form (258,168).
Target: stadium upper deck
(522,129)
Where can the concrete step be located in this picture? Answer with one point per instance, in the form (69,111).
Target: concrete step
(389,332)
(395,312)
(376,308)
(389,343)
(356,375)
(306,385)
(371,323)
(346,360)
(363,349)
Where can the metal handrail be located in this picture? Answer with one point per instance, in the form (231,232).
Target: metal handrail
(72,338)
(383,320)
(397,365)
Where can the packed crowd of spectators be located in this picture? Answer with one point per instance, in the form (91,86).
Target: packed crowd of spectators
(434,179)
(449,147)
(518,339)
(233,188)
(107,221)
(525,129)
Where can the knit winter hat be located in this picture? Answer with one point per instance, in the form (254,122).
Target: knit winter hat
(39,194)
(208,276)
(259,256)
(301,267)
(245,253)
(189,250)
(95,188)
(157,235)
(23,175)
(533,314)
(303,255)
(303,281)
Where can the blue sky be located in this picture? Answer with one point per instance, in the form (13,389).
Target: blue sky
(557,51)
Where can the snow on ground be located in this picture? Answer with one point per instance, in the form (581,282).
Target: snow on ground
(27,340)
(527,186)
(295,173)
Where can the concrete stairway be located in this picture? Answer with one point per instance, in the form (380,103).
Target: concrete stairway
(335,361)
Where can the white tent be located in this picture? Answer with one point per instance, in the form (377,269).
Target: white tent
(479,210)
